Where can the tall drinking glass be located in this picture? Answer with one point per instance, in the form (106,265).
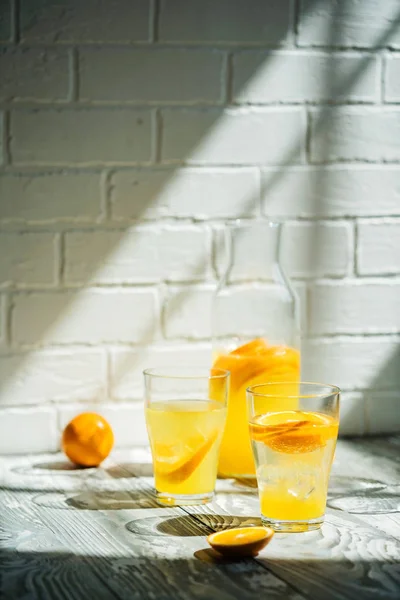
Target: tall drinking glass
(293,448)
(185,417)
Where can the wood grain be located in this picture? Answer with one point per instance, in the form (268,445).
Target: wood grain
(68,533)
(129,552)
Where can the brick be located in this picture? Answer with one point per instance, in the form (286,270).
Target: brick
(367,24)
(306,250)
(127,420)
(187,312)
(352,363)
(378,250)
(59,21)
(25,430)
(299,76)
(2,136)
(369,134)
(317,250)
(138,75)
(392,79)
(3,319)
(126,370)
(187,193)
(137,255)
(352,414)
(211,136)
(355,308)
(5,21)
(383,415)
(88,316)
(209,21)
(29,73)
(27,259)
(57,376)
(49,197)
(333,191)
(80,136)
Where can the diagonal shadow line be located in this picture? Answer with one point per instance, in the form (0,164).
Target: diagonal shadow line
(269,184)
(23,353)
(333,86)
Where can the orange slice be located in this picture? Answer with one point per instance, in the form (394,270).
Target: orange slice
(178,468)
(240,541)
(293,432)
(254,347)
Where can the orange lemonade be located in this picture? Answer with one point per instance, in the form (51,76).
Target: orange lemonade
(294,452)
(250,364)
(185,437)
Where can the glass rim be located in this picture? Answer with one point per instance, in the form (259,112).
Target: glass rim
(331,389)
(177,372)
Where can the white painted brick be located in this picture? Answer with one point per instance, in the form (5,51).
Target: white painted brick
(138,75)
(392,78)
(234,136)
(352,363)
(27,259)
(58,376)
(355,308)
(5,21)
(298,76)
(3,319)
(127,366)
(137,255)
(383,414)
(89,21)
(353,133)
(363,24)
(29,73)
(352,414)
(187,312)
(87,316)
(2,149)
(199,194)
(48,197)
(307,250)
(208,21)
(333,191)
(378,248)
(25,430)
(320,249)
(127,420)
(80,136)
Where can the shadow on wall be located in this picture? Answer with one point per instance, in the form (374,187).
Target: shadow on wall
(98,254)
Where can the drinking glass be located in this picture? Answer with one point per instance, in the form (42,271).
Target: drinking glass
(185,417)
(293,448)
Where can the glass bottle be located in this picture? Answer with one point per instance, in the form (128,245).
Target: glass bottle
(255,326)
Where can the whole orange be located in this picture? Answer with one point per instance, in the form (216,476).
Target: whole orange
(87,440)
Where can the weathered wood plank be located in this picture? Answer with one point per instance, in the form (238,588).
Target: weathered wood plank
(101,530)
(348,558)
(139,552)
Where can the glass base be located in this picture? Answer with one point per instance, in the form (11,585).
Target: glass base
(292,526)
(183,499)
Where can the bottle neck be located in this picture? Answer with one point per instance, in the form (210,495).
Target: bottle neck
(253,251)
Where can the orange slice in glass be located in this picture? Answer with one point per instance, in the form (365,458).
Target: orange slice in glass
(293,432)
(177,466)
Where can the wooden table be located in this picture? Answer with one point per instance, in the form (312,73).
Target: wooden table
(98,534)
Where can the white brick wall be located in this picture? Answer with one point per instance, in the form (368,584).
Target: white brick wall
(129,131)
